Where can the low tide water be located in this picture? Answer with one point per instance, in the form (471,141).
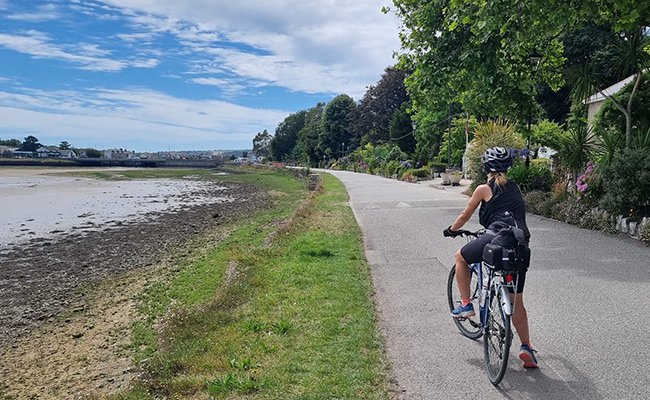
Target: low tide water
(35,204)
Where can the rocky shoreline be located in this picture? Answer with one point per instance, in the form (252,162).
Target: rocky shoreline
(40,280)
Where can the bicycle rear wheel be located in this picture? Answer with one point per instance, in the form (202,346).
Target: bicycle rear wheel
(469,327)
(497,339)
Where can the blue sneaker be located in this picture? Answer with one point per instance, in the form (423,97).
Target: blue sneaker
(463,311)
(527,355)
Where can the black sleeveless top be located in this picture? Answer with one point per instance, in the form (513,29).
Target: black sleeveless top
(507,204)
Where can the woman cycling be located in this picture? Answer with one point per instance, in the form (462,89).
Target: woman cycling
(501,205)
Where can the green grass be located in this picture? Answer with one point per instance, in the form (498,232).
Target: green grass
(294,322)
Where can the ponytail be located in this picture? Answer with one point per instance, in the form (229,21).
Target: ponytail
(498,177)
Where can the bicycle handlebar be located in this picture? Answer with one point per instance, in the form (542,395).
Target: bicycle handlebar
(464,232)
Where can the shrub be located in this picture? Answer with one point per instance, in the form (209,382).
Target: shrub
(489,134)
(569,209)
(533,178)
(627,186)
(644,233)
(393,167)
(540,203)
(541,162)
(421,172)
(408,176)
(547,133)
(437,167)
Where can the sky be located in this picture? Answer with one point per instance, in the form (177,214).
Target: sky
(159,75)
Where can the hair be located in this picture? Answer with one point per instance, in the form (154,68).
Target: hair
(499,177)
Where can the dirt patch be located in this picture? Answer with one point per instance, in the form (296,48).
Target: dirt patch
(66,304)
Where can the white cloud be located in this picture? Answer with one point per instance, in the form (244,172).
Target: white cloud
(38,45)
(144,63)
(45,12)
(327,46)
(137,37)
(135,118)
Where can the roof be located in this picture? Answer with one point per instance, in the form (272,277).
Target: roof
(610,91)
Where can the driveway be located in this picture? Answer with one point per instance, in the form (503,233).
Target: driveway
(585,293)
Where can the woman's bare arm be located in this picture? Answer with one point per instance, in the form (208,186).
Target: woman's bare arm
(481,193)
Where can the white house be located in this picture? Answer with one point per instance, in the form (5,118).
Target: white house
(595,102)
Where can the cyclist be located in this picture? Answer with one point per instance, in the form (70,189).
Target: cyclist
(501,204)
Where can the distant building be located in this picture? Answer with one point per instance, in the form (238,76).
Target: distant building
(48,152)
(119,154)
(6,151)
(595,102)
(69,154)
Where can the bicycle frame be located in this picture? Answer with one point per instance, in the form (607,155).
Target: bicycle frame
(493,285)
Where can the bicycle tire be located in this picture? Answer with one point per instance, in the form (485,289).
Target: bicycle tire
(496,339)
(469,327)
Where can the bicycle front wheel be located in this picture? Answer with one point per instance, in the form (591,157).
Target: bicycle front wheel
(497,338)
(469,327)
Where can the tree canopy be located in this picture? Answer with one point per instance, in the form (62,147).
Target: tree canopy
(336,132)
(262,144)
(30,144)
(372,117)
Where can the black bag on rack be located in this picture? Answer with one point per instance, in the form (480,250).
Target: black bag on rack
(508,251)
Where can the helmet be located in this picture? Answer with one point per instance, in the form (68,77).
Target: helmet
(496,159)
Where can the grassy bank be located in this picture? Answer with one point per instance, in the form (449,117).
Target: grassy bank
(280,309)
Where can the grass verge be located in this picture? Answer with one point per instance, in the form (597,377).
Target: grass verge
(281,309)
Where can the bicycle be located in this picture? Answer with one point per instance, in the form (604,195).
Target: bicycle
(491,288)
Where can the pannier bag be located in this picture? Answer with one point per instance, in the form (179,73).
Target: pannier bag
(508,251)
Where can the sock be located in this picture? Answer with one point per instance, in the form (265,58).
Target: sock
(464,302)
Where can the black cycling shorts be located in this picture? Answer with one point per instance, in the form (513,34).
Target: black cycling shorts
(472,253)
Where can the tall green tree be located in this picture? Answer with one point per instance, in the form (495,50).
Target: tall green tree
(401,129)
(64,145)
(478,54)
(30,144)
(372,117)
(307,148)
(336,133)
(262,144)
(286,136)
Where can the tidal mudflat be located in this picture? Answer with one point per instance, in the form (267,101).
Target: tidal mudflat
(39,204)
(60,232)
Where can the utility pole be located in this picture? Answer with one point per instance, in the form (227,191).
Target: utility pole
(449,140)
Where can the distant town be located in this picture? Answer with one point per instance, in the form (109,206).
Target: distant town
(30,148)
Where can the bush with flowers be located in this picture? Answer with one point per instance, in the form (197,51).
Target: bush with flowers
(589,187)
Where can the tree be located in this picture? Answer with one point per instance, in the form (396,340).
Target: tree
(262,144)
(401,129)
(286,136)
(478,54)
(11,143)
(335,127)
(632,58)
(373,115)
(307,148)
(93,153)
(64,145)
(30,144)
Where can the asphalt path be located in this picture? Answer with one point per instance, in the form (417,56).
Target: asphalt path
(586,294)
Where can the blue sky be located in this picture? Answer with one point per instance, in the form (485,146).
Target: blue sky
(151,75)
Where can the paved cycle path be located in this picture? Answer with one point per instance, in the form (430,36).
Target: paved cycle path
(586,292)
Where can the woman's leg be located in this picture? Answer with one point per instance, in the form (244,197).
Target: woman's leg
(463,277)
(520,318)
